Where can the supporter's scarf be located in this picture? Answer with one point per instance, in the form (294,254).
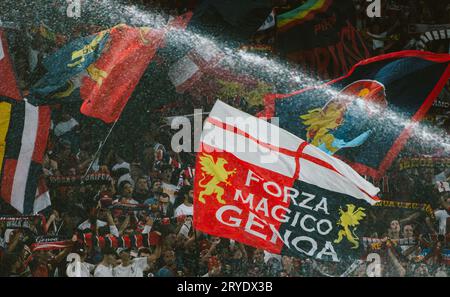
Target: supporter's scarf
(132,241)
(24,222)
(129,206)
(143,207)
(376,243)
(434,35)
(50,243)
(407,205)
(440,163)
(172,220)
(90,179)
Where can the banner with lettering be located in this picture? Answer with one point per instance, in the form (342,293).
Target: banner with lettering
(277,193)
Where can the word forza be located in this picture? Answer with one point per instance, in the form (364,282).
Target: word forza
(254,224)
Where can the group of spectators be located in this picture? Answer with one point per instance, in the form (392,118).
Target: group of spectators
(160,183)
(151,192)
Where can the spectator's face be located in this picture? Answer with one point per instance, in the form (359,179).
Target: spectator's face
(169,258)
(141,185)
(258,256)
(157,187)
(102,214)
(408,231)
(164,199)
(395,226)
(127,190)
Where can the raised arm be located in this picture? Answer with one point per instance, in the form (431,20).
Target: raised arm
(400,269)
(155,256)
(112,226)
(124,224)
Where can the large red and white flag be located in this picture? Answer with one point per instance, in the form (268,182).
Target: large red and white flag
(265,187)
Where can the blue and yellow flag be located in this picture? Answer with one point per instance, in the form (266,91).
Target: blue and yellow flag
(66,67)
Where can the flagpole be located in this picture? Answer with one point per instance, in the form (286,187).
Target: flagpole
(97,153)
(197,252)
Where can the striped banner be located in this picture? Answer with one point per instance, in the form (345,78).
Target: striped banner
(434,35)
(24,130)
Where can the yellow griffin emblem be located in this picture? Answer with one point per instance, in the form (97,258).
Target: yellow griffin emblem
(219,175)
(348,219)
(320,122)
(79,56)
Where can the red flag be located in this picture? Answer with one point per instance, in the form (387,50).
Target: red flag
(8,83)
(113,77)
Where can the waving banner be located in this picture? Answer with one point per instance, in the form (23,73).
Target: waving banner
(277,193)
(320,36)
(366,116)
(24,130)
(102,69)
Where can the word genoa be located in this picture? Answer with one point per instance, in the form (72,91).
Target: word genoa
(304,217)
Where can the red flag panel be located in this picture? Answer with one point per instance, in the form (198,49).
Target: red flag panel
(8,82)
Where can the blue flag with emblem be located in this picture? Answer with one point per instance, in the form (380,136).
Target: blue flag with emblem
(67,66)
(366,116)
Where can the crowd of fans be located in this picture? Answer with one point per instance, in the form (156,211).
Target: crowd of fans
(151,192)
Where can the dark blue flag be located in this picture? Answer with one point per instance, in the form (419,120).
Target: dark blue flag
(366,116)
(67,66)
